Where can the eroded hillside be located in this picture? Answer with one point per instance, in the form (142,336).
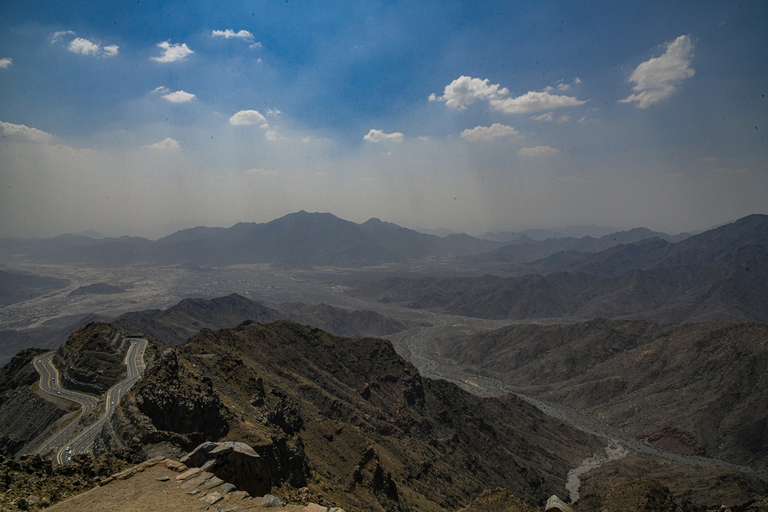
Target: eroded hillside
(372,432)
(694,388)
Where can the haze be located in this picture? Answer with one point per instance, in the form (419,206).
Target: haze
(143,119)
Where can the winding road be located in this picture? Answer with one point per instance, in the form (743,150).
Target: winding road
(77,437)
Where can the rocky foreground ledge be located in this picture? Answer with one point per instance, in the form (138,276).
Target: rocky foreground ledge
(169,485)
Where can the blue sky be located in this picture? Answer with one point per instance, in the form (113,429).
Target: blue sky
(145,117)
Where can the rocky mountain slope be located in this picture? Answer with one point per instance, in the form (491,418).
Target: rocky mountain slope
(305,239)
(174,325)
(24,414)
(526,249)
(718,275)
(349,422)
(347,416)
(34,483)
(342,322)
(49,335)
(91,360)
(16,287)
(297,240)
(695,388)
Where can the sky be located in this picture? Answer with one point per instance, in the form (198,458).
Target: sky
(144,117)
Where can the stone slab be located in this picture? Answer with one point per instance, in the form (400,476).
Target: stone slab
(198,480)
(189,473)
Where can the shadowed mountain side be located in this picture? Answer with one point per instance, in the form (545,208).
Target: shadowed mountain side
(526,249)
(718,275)
(91,360)
(612,262)
(49,335)
(97,289)
(24,413)
(693,388)
(176,324)
(16,287)
(296,240)
(705,250)
(375,433)
(342,322)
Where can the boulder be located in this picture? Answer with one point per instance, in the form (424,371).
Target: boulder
(555,504)
(235,463)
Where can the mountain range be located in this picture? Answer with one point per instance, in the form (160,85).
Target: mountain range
(181,321)
(661,337)
(347,414)
(698,389)
(720,274)
(297,240)
(305,239)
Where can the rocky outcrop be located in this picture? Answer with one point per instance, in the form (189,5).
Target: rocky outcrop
(92,358)
(555,504)
(287,463)
(24,415)
(370,473)
(688,388)
(498,500)
(375,434)
(232,462)
(674,440)
(179,400)
(33,483)
(640,495)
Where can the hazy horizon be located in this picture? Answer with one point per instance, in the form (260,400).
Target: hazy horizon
(143,119)
(574,230)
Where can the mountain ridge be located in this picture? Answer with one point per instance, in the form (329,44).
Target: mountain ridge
(298,239)
(713,276)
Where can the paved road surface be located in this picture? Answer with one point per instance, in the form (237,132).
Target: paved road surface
(50,382)
(134,360)
(77,437)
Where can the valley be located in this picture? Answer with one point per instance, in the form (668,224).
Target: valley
(576,341)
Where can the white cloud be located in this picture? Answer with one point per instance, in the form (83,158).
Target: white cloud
(248,117)
(534,101)
(538,151)
(658,78)
(562,86)
(466,90)
(494,131)
(172,52)
(380,136)
(549,117)
(272,136)
(167,143)
(5,62)
(24,133)
(544,117)
(273,112)
(56,36)
(179,96)
(83,46)
(228,33)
